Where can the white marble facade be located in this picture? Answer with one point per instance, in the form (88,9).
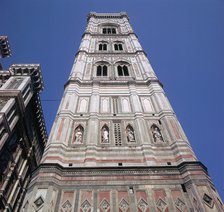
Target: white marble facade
(113,122)
(112,82)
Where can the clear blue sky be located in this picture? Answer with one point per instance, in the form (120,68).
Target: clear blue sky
(184,41)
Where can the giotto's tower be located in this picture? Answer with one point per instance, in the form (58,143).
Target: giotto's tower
(116,143)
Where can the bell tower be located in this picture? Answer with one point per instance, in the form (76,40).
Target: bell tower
(116,143)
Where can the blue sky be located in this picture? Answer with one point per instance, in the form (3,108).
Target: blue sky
(184,41)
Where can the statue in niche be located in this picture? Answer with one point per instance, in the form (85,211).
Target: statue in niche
(156,134)
(105,135)
(78,135)
(130,134)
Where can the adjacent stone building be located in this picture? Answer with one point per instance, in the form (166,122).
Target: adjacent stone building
(22,129)
(116,144)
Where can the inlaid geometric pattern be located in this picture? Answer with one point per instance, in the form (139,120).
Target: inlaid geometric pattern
(161,205)
(208,200)
(180,204)
(142,205)
(86,206)
(123,205)
(39,202)
(104,205)
(67,207)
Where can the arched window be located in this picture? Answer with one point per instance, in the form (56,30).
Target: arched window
(101,70)
(119,70)
(130,133)
(104,70)
(118,47)
(105,134)
(122,70)
(109,30)
(113,31)
(78,135)
(125,70)
(102,47)
(115,47)
(105,46)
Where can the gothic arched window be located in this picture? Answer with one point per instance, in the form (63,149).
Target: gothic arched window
(156,133)
(102,47)
(118,47)
(101,70)
(113,31)
(115,47)
(122,70)
(105,134)
(78,135)
(109,30)
(130,133)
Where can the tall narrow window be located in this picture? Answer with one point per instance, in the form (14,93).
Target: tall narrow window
(102,47)
(109,30)
(117,134)
(105,47)
(118,47)
(115,47)
(113,31)
(101,70)
(119,70)
(104,70)
(125,70)
(122,70)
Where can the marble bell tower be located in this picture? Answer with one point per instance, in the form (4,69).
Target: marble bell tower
(116,144)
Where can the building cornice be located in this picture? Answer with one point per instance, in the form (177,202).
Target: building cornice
(107,15)
(112,82)
(108,36)
(32,70)
(182,168)
(110,53)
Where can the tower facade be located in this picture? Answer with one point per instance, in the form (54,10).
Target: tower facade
(116,143)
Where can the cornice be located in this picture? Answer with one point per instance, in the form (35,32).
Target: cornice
(32,70)
(107,15)
(108,35)
(110,53)
(120,171)
(112,82)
